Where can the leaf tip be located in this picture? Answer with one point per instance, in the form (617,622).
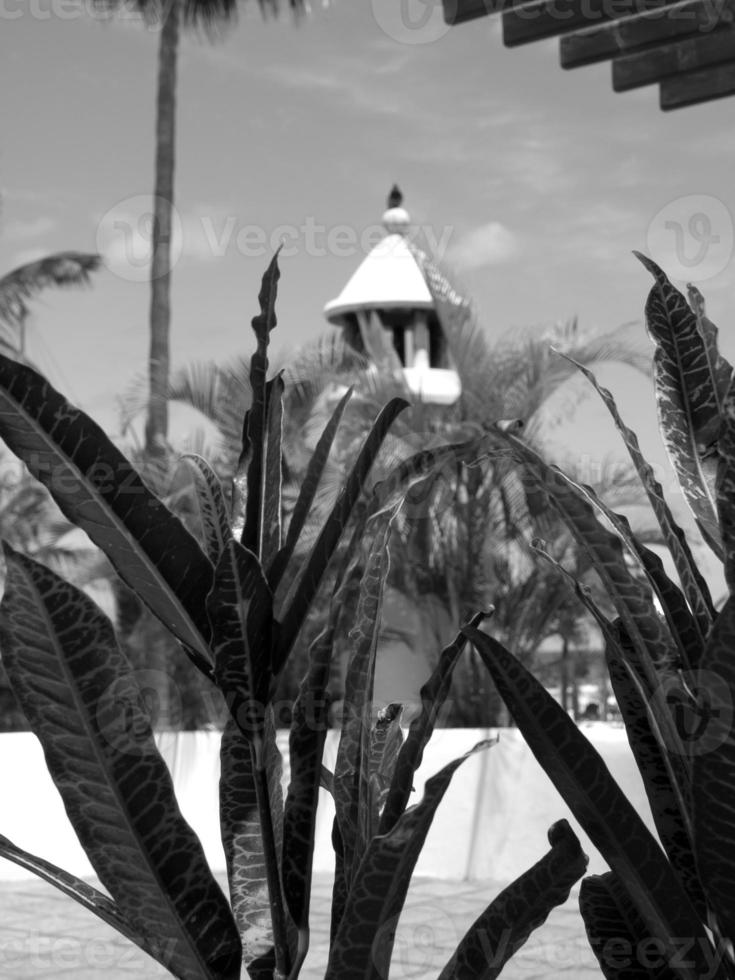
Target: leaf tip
(655,270)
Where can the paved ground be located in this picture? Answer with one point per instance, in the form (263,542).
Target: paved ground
(43,934)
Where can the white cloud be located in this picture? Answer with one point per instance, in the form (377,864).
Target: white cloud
(490,244)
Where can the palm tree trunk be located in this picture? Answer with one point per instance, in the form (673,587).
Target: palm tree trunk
(156,429)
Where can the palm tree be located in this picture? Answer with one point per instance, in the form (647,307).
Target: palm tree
(24,283)
(210,15)
(462,541)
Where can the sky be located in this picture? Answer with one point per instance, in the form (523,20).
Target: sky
(534,184)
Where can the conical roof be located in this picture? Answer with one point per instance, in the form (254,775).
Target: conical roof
(390,276)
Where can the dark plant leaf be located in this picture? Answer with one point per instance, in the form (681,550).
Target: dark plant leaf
(351,771)
(88,897)
(631,597)
(616,933)
(252,466)
(211,505)
(307,492)
(581,591)
(427,463)
(272,474)
(665,773)
(386,739)
(523,906)
(83,703)
(695,587)
(242,836)
(595,799)
(712,745)
(726,486)
(297,605)
(691,382)
(433,695)
(96,487)
(309,724)
(362,946)
(240,610)
(683,627)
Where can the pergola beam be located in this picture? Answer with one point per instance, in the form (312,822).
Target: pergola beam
(692,88)
(605,41)
(540,19)
(686,45)
(646,67)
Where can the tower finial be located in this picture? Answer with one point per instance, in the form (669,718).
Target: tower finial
(396,219)
(395,198)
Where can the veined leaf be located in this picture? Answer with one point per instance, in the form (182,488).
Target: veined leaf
(581,591)
(712,741)
(433,695)
(362,947)
(297,605)
(691,382)
(386,740)
(81,699)
(683,628)
(523,906)
(211,505)
(307,492)
(240,609)
(665,774)
(340,889)
(695,587)
(255,434)
(309,725)
(595,799)
(719,369)
(632,598)
(726,485)
(97,488)
(242,835)
(351,771)
(85,894)
(394,488)
(617,934)
(272,474)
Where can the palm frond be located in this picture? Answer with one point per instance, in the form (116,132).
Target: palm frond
(209,15)
(22,284)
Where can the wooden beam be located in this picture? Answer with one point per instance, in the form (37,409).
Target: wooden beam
(549,18)
(460,11)
(604,41)
(691,88)
(692,53)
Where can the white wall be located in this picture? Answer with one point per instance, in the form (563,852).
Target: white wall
(492,822)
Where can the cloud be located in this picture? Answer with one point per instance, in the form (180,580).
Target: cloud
(490,244)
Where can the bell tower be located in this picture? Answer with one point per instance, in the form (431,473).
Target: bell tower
(387,301)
